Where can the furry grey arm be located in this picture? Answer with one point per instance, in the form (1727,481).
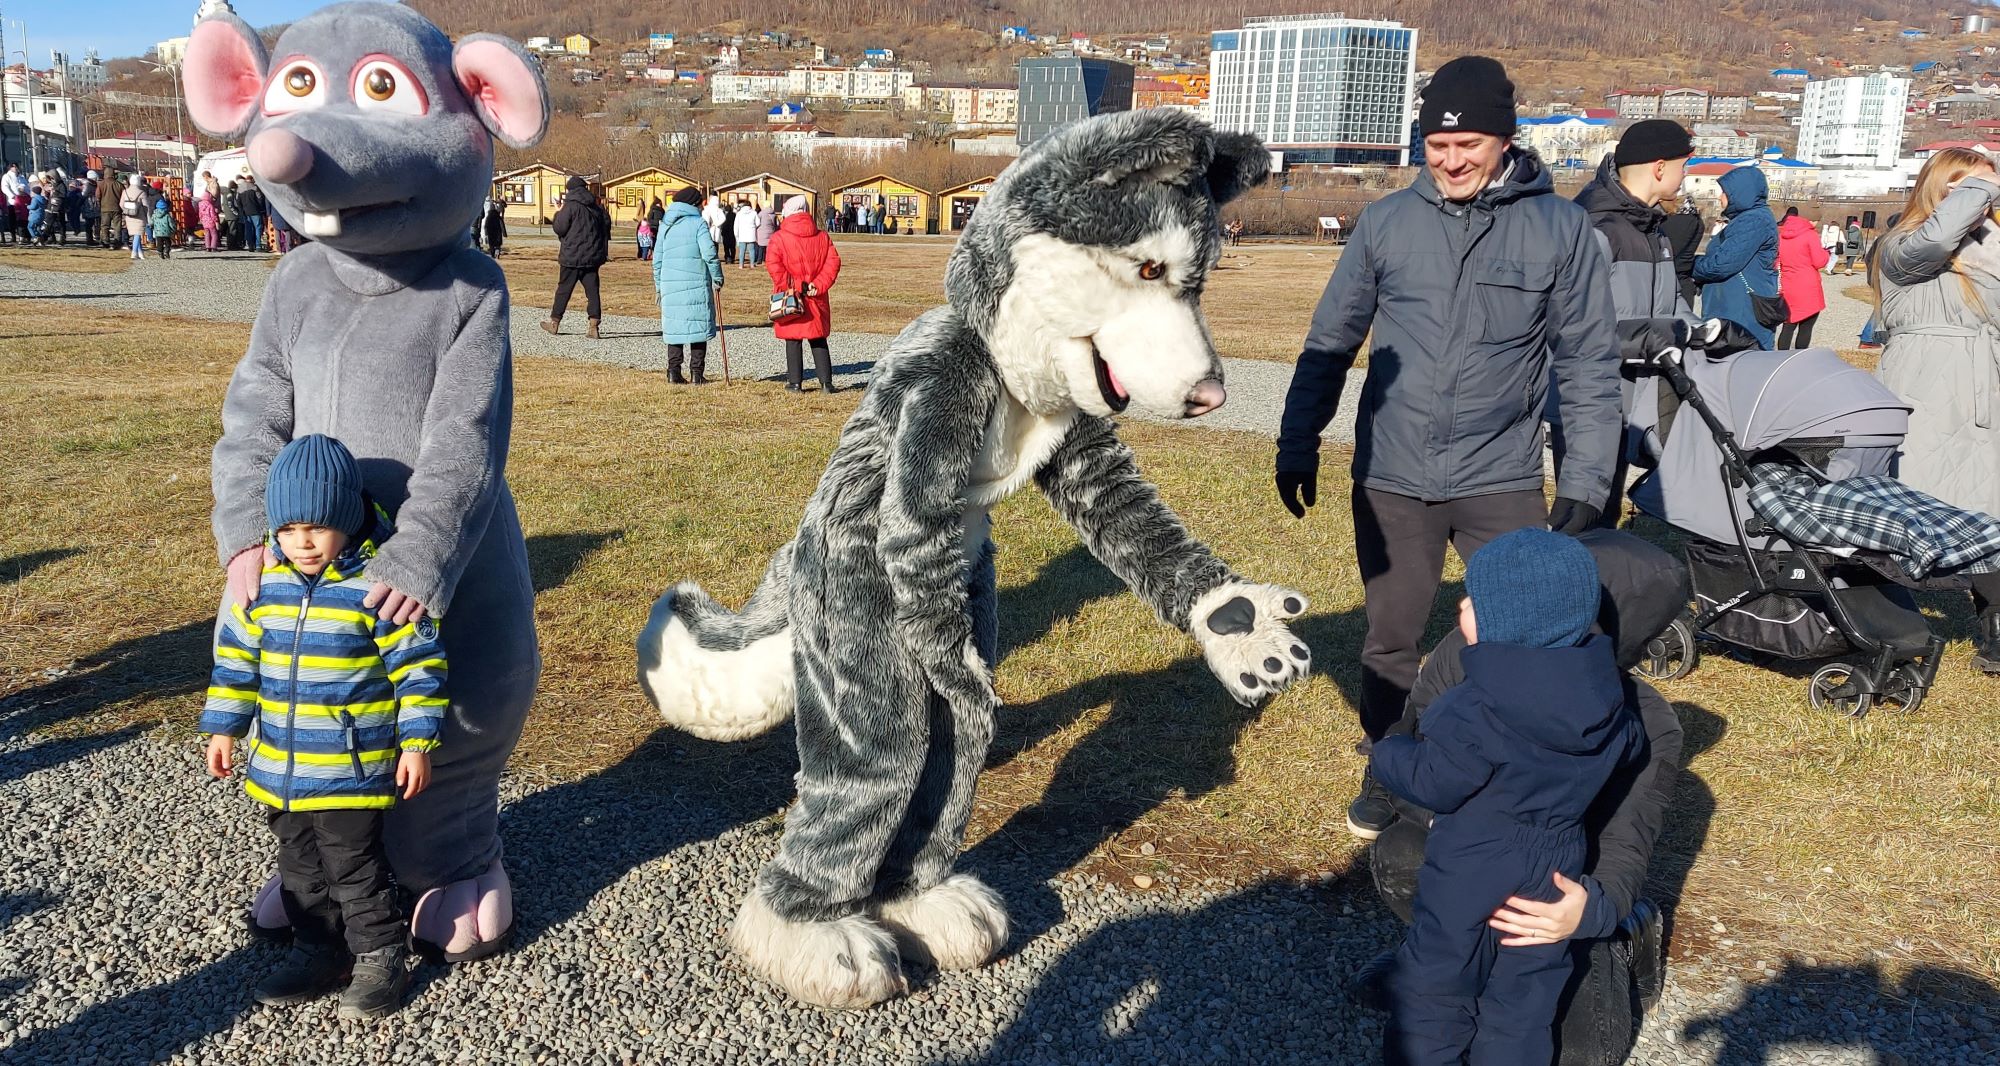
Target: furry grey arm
(1093,481)
(941,424)
(256,422)
(461,458)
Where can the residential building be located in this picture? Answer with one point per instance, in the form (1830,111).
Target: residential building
(1853,122)
(662,74)
(1318,88)
(1965,107)
(634,61)
(748,86)
(1635,103)
(1057,90)
(540,44)
(169,52)
(1016,34)
(1571,141)
(1684,105)
(53,115)
(966,105)
(579,44)
(78,79)
(1727,107)
(848,83)
(1724,142)
(659,42)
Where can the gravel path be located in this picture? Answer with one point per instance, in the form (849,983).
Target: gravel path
(123,868)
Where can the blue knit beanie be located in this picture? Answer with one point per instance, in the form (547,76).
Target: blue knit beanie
(1534,588)
(314,480)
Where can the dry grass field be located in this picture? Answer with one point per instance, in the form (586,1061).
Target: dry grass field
(1795,834)
(73,260)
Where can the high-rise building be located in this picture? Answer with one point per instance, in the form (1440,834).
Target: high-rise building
(1319,88)
(1056,90)
(1853,122)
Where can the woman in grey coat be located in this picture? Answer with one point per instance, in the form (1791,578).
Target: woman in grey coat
(1937,278)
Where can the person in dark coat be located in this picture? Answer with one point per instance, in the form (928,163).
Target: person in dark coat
(803,260)
(1614,932)
(1478,282)
(250,208)
(496,227)
(1742,260)
(1510,762)
(583,228)
(1684,228)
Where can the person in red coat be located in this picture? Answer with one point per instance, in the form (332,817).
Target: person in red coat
(802,259)
(1801,257)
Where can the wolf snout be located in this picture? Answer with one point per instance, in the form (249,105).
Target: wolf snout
(279,156)
(1207,395)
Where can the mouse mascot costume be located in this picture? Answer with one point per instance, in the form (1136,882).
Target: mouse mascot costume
(373,135)
(1074,294)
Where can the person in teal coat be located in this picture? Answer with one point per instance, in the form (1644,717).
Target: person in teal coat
(162,226)
(686,269)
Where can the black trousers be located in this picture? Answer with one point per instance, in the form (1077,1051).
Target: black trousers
(1796,334)
(568,280)
(335,879)
(795,362)
(1399,543)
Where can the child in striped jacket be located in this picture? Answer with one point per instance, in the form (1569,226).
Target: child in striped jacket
(347,708)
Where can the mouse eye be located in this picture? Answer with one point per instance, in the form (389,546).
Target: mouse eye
(297,86)
(1152,270)
(382,84)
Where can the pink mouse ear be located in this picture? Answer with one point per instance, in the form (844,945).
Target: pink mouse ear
(224,73)
(504,86)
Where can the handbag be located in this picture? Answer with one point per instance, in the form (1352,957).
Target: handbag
(786,305)
(1771,311)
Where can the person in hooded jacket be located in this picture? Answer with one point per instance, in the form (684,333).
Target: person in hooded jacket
(803,260)
(767,227)
(1510,762)
(583,230)
(1801,257)
(686,274)
(1742,260)
(1477,280)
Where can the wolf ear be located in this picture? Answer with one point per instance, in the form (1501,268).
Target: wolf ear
(504,86)
(223,70)
(1161,146)
(1241,163)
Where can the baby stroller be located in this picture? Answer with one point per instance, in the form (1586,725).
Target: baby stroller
(1720,434)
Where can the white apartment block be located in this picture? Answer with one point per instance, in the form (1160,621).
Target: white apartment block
(967,105)
(748,86)
(1853,122)
(848,83)
(1319,88)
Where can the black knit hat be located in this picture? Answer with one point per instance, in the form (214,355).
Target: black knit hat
(1651,141)
(1470,94)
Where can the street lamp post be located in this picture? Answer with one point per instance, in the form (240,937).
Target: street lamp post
(174,69)
(28,86)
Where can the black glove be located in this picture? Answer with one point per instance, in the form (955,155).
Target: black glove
(1572,516)
(1294,484)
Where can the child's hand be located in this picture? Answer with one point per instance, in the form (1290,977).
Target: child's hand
(413,773)
(221,756)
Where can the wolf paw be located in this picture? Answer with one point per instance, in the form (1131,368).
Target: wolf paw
(848,963)
(1242,633)
(956,924)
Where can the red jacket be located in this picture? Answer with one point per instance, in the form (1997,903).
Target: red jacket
(800,255)
(1800,259)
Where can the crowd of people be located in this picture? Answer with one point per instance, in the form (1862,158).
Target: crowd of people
(138,213)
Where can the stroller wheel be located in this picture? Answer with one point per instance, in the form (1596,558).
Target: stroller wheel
(1833,688)
(1904,690)
(1671,655)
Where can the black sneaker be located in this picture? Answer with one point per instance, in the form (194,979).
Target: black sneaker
(1370,813)
(1645,929)
(1369,987)
(380,976)
(308,972)
(1986,645)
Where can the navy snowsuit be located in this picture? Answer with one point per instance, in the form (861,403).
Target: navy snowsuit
(1510,760)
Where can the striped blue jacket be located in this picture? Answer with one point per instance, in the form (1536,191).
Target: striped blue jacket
(336,693)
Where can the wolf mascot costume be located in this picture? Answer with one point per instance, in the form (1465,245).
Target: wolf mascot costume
(1074,295)
(373,135)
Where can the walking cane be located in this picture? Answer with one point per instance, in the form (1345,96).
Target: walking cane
(721,334)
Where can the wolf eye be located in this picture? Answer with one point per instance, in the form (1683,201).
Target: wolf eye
(1152,270)
(382,84)
(298,86)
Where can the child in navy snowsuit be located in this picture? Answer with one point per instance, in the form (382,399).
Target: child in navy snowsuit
(1509,760)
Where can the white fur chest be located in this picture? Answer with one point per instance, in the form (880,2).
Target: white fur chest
(1017,443)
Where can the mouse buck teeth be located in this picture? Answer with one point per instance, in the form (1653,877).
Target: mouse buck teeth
(320,223)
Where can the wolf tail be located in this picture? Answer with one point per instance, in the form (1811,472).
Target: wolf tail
(719,674)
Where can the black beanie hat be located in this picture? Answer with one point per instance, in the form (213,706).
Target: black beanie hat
(1470,94)
(1651,141)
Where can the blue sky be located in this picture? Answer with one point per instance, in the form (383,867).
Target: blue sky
(119,28)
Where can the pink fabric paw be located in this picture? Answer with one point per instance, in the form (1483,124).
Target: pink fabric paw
(466,920)
(267,913)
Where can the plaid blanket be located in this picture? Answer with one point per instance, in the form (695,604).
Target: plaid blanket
(1922,533)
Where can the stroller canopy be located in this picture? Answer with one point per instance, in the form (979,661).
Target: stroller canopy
(1765,399)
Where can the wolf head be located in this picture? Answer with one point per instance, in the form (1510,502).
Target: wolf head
(1083,267)
(370,132)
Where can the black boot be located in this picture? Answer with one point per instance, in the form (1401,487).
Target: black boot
(1645,931)
(674,365)
(1986,643)
(698,362)
(1370,813)
(308,972)
(380,977)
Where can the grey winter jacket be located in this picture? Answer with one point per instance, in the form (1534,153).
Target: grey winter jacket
(1471,305)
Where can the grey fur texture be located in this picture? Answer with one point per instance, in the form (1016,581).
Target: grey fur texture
(890,588)
(392,337)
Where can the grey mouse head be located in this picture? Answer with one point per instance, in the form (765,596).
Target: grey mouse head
(369,131)
(1084,265)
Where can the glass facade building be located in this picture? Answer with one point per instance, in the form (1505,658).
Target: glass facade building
(1056,90)
(1319,88)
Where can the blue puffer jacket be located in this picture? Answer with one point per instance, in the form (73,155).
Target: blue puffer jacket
(684,267)
(1744,256)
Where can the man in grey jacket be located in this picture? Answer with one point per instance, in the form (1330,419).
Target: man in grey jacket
(1477,280)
